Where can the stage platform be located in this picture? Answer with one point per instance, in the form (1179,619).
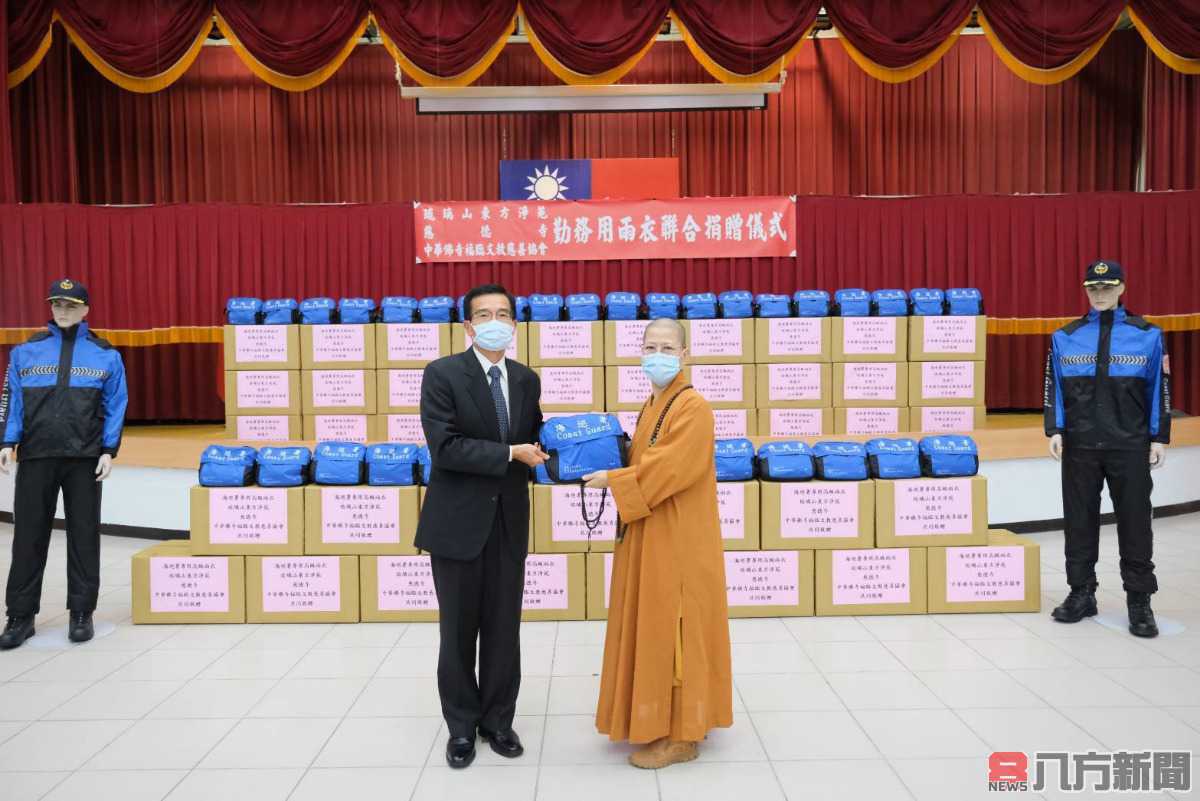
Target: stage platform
(147,494)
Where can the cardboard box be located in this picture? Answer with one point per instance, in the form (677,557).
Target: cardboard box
(302,589)
(399,390)
(400,428)
(362,428)
(558,525)
(1002,576)
(263,521)
(817,515)
(623,342)
(337,347)
(555,587)
(870,339)
(262,392)
(626,389)
(566,344)
(738,505)
(794,386)
(921,512)
(882,420)
(262,347)
(571,389)
(947,419)
(793,339)
(947,337)
(172,586)
(400,345)
(397,589)
(599,583)
(518,350)
(795,423)
(724,386)
(879,581)
(360,520)
(264,428)
(770,583)
(946,383)
(720,341)
(727,423)
(870,384)
(339,391)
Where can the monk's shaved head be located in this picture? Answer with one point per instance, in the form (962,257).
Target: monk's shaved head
(664,324)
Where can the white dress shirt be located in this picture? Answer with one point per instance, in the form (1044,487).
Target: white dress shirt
(486,364)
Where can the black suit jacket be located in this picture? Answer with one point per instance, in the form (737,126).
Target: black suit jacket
(470,471)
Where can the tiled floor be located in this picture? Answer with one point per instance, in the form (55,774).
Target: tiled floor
(826,708)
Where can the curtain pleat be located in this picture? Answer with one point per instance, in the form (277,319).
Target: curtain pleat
(1171,28)
(1048,41)
(745,40)
(1172,128)
(42,111)
(584,42)
(444,43)
(28,37)
(897,40)
(8,181)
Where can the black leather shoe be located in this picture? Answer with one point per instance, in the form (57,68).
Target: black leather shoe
(460,752)
(1141,616)
(1080,603)
(504,743)
(81,629)
(18,630)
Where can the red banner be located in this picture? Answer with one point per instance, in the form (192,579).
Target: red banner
(587,230)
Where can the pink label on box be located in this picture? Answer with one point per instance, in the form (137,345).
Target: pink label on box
(608,563)
(818,509)
(947,379)
(869,335)
(339,343)
(628,421)
(368,515)
(269,428)
(405,428)
(731,505)
(729,423)
(405,584)
(947,419)
(546,584)
(794,382)
(566,519)
(794,336)
(567,340)
(992,573)
(716,337)
(718,383)
(879,576)
(629,338)
(866,420)
(510,352)
(339,388)
(341,427)
(869,381)
(301,584)
(568,385)
(413,342)
(247,516)
(797,423)
(762,578)
(263,389)
(189,584)
(930,506)
(404,387)
(632,385)
(950,334)
(261,343)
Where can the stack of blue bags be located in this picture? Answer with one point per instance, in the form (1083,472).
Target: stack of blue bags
(941,456)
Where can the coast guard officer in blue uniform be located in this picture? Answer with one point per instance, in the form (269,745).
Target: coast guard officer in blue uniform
(1108,415)
(63,404)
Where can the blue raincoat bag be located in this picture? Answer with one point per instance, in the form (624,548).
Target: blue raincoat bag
(812,303)
(426,464)
(583,307)
(734,459)
(928,302)
(662,304)
(283,467)
(841,461)
(545,308)
(773,305)
(356,310)
(965,300)
(522,309)
(243,311)
(398,309)
(280,311)
(317,311)
(893,458)
(392,464)
(622,305)
(579,444)
(700,306)
(948,455)
(737,303)
(889,303)
(339,463)
(785,461)
(227,466)
(852,302)
(436,309)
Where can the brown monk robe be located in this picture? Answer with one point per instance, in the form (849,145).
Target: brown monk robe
(666,678)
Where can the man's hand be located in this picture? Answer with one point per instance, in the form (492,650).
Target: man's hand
(532,455)
(6,459)
(1158,455)
(597,480)
(1056,447)
(103,467)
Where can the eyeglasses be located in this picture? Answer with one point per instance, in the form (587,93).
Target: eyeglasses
(669,350)
(486,315)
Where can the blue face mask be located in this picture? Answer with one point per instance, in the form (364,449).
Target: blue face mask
(660,368)
(494,335)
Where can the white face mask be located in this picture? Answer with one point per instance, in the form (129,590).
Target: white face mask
(494,335)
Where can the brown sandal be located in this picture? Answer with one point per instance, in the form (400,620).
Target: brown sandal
(661,753)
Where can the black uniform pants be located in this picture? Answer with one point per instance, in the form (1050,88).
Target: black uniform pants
(480,599)
(1129,484)
(38,484)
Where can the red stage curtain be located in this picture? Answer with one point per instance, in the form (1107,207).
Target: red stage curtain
(1172,128)
(297,37)
(8,182)
(444,39)
(43,127)
(1048,34)
(28,23)
(746,36)
(140,38)
(899,34)
(589,38)
(1174,23)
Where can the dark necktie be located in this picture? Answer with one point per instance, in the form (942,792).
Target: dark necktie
(498,399)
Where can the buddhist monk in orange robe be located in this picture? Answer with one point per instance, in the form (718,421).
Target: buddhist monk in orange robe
(666,679)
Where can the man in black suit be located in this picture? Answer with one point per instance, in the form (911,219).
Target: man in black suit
(481,414)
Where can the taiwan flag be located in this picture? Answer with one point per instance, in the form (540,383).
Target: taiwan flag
(587,179)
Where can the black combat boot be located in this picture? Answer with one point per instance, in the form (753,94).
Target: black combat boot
(81,629)
(18,630)
(1141,616)
(1080,603)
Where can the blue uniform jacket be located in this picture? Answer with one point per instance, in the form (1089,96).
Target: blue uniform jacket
(64,396)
